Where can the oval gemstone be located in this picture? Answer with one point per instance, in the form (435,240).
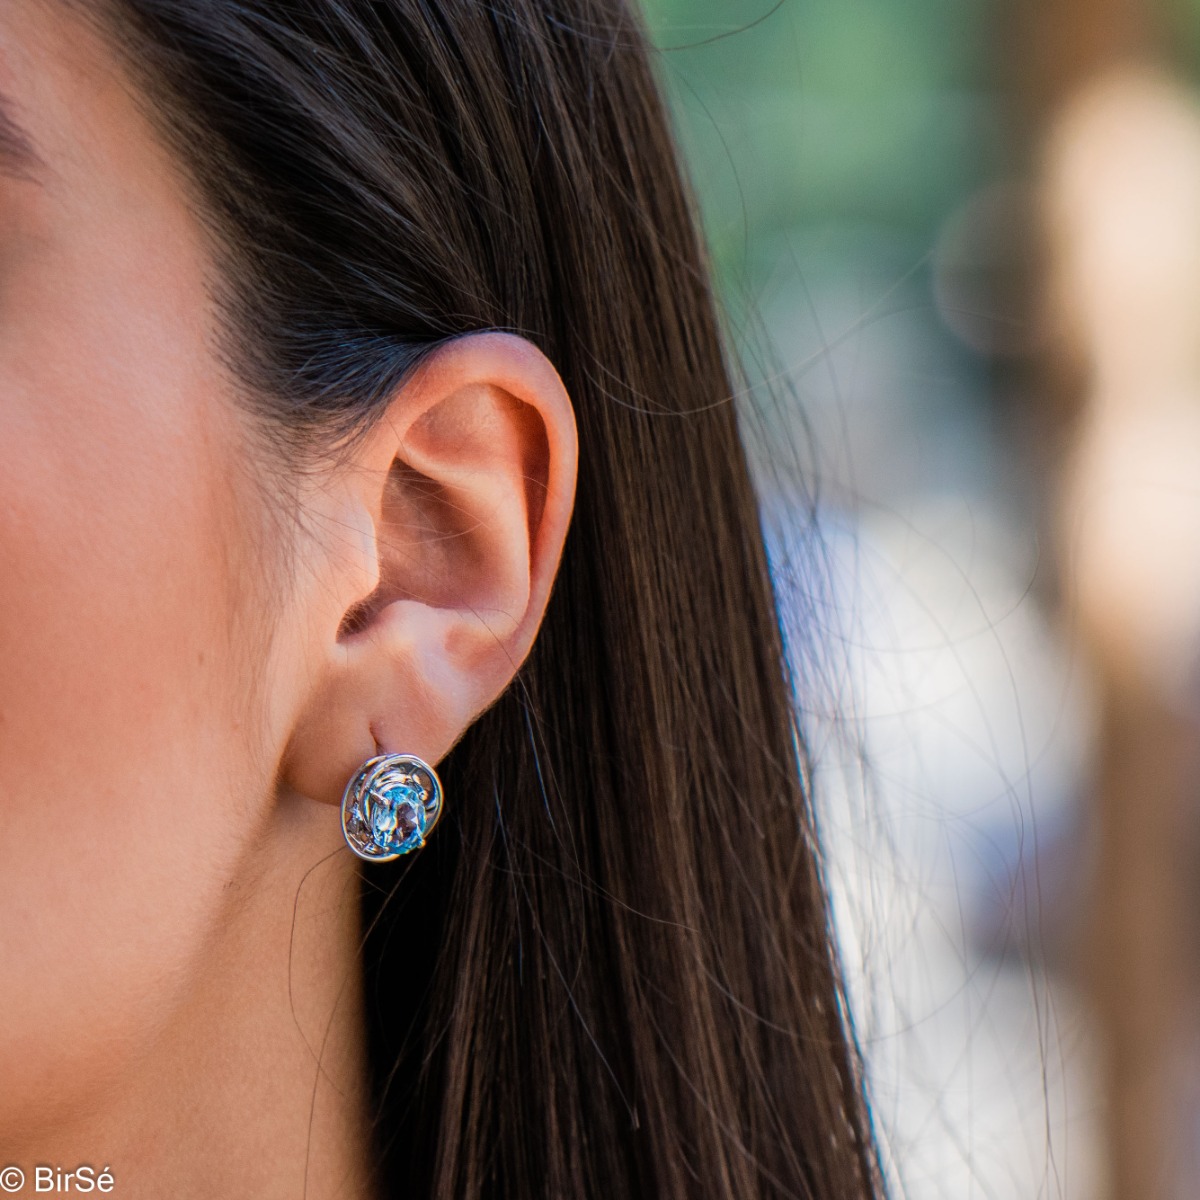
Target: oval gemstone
(398,818)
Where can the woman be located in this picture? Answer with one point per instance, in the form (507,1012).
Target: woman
(347,344)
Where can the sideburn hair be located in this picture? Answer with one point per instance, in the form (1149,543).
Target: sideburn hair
(611,975)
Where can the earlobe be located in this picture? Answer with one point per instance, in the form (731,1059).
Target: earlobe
(468,486)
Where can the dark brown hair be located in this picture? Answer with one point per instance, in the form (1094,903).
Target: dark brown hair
(611,974)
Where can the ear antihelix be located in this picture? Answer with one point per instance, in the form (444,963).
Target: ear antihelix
(390,806)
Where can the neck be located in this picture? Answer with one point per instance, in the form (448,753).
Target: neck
(256,1084)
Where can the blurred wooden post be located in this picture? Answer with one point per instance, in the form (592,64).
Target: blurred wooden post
(1139,940)
(1053,47)
(1141,946)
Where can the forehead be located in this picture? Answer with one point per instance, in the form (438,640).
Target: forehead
(103,265)
(80,164)
(67,108)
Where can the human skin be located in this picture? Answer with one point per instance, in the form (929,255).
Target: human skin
(180,705)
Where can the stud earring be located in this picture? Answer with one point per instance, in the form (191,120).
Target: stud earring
(390,806)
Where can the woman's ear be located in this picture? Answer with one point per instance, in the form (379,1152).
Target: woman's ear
(443,536)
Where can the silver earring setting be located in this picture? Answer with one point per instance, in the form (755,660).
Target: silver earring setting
(390,806)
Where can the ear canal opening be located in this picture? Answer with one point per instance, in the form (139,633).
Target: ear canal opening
(358,616)
(403,482)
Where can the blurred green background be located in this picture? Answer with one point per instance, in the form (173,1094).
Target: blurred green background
(836,149)
(831,122)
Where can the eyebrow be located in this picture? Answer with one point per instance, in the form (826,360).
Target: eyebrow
(18,157)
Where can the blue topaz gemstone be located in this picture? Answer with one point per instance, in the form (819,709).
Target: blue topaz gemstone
(390,806)
(398,819)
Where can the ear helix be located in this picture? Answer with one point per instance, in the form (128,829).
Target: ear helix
(390,806)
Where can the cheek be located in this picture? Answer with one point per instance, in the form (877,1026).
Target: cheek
(134,762)
(130,753)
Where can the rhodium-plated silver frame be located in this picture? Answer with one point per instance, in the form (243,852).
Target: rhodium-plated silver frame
(373,776)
